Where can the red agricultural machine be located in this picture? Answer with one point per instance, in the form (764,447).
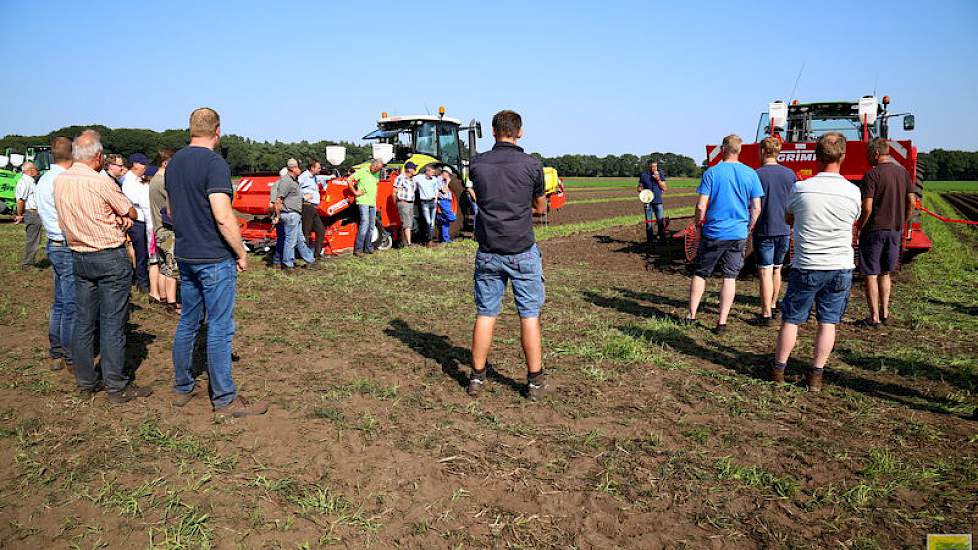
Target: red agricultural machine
(421,139)
(799,125)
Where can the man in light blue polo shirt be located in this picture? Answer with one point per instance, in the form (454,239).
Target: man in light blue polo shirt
(729,204)
(309,187)
(62,316)
(428,186)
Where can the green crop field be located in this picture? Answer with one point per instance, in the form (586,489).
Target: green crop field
(623,183)
(952,186)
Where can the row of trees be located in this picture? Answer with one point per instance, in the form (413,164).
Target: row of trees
(247,155)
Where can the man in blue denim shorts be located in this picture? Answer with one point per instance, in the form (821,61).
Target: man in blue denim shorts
(822,209)
(772,232)
(510,187)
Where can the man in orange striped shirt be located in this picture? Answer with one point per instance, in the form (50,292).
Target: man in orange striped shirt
(94,216)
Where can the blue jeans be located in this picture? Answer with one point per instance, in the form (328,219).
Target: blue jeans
(827,290)
(365,229)
(493,271)
(102,283)
(428,213)
(770,251)
(206,289)
(291,226)
(62,319)
(655,210)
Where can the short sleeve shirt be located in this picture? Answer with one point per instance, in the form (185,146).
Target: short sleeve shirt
(287,189)
(506,180)
(427,187)
(404,185)
(192,176)
(824,207)
(777,182)
(309,186)
(157,199)
(366,182)
(89,206)
(730,186)
(888,184)
(26,191)
(648,182)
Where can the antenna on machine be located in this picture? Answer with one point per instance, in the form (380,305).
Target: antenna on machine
(426,110)
(795,88)
(875,82)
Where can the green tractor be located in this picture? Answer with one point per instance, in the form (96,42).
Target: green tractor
(40,155)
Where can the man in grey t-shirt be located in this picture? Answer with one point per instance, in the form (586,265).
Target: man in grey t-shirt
(823,209)
(288,220)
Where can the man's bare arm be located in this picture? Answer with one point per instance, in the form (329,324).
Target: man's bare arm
(701,204)
(539,205)
(911,202)
(867,211)
(755,212)
(227,224)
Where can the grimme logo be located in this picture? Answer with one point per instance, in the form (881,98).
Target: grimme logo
(796,156)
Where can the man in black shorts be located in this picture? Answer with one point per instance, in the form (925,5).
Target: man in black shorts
(888,201)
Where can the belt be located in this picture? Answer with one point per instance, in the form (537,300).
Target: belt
(56,242)
(30,210)
(402,200)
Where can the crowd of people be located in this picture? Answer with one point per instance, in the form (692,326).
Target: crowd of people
(820,214)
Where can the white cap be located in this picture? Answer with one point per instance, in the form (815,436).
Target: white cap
(292,163)
(447,169)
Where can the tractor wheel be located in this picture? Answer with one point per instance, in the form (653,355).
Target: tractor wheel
(381,239)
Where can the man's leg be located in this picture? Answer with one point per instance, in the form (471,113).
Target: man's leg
(32,226)
(873,297)
(824,342)
(292,228)
(697,285)
(138,235)
(66,286)
(727,292)
(787,338)
(320,228)
(885,286)
(279,255)
(649,235)
(776,286)
(58,348)
(302,246)
(219,284)
(368,242)
(83,336)
(765,278)
(482,341)
(660,221)
(191,292)
(362,228)
(114,285)
(531,339)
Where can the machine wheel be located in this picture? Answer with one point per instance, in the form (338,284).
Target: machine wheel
(381,239)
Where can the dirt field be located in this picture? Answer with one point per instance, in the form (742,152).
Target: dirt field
(654,436)
(965,203)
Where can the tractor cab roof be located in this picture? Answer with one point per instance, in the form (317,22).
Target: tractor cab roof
(826,109)
(407,119)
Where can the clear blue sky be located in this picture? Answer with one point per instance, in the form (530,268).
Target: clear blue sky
(589,77)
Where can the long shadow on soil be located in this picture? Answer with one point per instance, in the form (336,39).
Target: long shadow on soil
(904,367)
(137,348)
(666,256)
(440,349)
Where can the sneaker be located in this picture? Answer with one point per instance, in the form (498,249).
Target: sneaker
(776,374)
(182,398)
(867,323)
(476,383)
(240,407)
(88,393)
(884,320)
(536,387)
(720,330)
(357,253)
(370,251)
(132,391)
(814,380)
(58,364)
(768,322)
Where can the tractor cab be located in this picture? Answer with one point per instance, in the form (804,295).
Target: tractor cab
(806,122)
(427,138)
(41,156)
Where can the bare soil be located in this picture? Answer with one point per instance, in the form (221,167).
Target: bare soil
(654,435)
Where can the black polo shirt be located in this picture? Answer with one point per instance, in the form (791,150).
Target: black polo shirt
(505,180)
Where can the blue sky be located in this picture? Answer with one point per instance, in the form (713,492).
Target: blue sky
(589,77)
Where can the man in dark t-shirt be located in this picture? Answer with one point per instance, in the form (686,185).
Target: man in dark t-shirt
(888,201)
(510,187)
(210,254)
(654,180)
(772,233)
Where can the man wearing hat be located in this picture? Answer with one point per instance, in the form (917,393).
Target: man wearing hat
(288,211)
(404,189)
(138,193)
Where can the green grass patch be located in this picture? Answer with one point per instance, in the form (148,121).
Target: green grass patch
(951,187)
(624,183)
(754,476)
(625,199)
(555,231)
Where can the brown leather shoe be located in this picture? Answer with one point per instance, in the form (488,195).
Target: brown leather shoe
(776,374)
(182,398)
(58,364)
(240,407)
(131,392)
(814,379)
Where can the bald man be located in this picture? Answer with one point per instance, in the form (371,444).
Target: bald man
(27,212)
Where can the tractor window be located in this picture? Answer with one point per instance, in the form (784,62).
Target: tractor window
(426,142)
(448,143)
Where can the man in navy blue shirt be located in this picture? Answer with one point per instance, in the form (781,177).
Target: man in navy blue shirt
(210,254)
(510,187)
(654,180)
(772,232)
(729,203)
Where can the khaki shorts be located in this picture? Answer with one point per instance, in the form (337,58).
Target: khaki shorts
(406,211)
(164,250)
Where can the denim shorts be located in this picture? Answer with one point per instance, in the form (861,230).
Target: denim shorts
(524,270)
(770,251)
(729,255)
(827,290)
(879,251)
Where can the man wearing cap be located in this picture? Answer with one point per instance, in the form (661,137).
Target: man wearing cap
(654,180)
(288,218)
(363,184)
(27,212)
(138,193)
(404,190)
(311,222)
(61,320)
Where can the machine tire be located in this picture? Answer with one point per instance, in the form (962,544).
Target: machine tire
(382,240)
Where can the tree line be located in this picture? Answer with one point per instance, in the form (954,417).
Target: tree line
(246,155)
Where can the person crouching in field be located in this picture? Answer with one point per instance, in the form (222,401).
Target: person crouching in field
(510,187)
(404,190)
(772,232)
(822,210)
(729,204)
